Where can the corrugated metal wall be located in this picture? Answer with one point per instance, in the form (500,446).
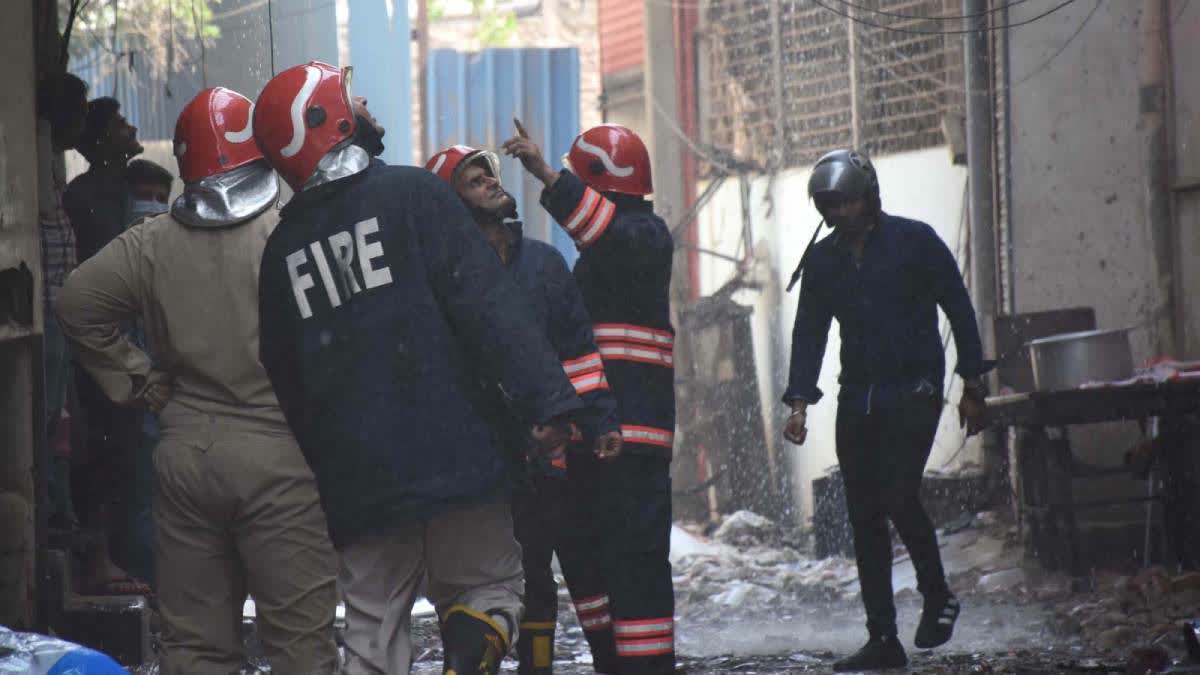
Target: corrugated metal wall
(152,94)
(150,101)
(473,98)
(622,31)
(378,46)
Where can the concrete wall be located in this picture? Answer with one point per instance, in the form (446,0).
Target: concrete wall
(924,185)
(20,371)
(1079,234)
(1079,231)
(1185,46)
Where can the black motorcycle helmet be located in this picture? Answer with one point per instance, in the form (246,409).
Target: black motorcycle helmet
(841,175)
(847,175)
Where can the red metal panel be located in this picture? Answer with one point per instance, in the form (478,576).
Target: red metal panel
(621,35)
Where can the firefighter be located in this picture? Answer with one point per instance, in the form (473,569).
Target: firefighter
(236,509)
(382,308)
(543,498)
(624,274)
(883,277)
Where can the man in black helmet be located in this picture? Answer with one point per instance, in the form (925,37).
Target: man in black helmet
(883,277)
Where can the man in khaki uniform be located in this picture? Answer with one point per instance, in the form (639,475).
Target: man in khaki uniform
(236,510)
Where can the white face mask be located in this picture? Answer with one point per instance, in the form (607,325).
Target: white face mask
(144,208)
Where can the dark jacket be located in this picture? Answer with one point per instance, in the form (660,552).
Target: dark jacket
(556,306)
(382,310)
(97,203)
(887,310)
(624,274)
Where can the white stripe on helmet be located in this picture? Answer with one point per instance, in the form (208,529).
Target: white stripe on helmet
(245,134)
(598,152)
(311,77)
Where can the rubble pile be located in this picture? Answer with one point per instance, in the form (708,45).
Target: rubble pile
(745,567)
(1148,608)
(748,563)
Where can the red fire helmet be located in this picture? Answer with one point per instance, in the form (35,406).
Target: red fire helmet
(302,114)
(447,162)
(214,134)
(612,158)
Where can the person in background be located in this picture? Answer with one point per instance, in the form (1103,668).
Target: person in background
(884,278)
(98,206)
(98,200)
(550,516)
(62,110)
(149,189)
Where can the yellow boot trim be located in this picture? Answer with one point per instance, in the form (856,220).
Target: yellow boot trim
(543,648)
(538,625)
(469,611)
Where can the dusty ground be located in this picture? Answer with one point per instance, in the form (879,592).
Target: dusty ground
(749,600)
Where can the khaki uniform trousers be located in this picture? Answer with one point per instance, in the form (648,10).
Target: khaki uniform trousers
(236,512)
(471,558)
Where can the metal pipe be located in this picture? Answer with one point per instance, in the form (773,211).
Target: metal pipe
(422,32)
(1152,98)
(777,111)
(980,169)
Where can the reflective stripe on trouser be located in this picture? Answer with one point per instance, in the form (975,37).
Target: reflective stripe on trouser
(471,559)
(631,499)
(552,516)
(645,637)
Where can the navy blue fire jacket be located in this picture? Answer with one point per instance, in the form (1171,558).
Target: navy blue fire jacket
(624,274)
(887,310)
(556,305)
(383,309)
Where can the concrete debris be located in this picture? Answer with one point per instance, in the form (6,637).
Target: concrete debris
(746,565)
(743,593)
(1002,580)
(1117,637)
(1149,608)
(744,528)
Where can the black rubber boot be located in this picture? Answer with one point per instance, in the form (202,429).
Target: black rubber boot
(604,650)
(880,653)
(474,642)
(937,621)
(535,648)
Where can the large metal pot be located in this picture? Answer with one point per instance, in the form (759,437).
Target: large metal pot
(1068,360)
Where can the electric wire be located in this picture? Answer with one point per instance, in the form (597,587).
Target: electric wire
(962,31)
(956,17)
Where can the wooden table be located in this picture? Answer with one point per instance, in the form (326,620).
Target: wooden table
(1046,466)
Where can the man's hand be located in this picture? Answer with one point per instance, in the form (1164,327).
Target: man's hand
(608,447)
(524,149)
(796,427)
(972,414)
(156,396)
(552,435)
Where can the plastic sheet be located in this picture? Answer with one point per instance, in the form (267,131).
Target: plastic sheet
(33,654)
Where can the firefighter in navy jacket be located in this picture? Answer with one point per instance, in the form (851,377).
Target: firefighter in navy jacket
(543,499)
(379,301)
(624,273)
